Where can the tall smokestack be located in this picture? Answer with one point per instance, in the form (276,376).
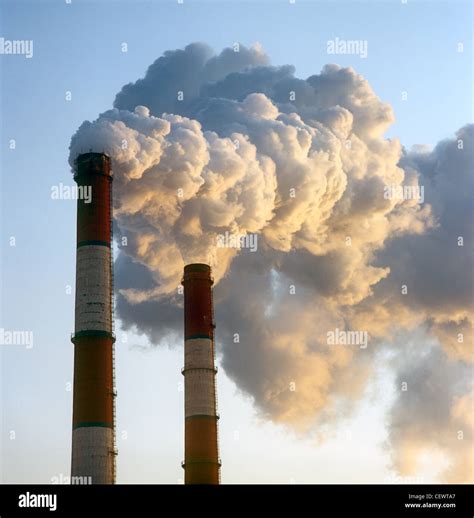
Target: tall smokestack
(201,453)
(93,434)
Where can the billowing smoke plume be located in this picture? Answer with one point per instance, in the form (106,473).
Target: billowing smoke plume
(347,237)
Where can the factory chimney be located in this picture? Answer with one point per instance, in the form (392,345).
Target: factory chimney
(201,456)
(93,434)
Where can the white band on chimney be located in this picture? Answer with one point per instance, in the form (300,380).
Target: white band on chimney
(92,454)
(93,296)
(198,353)
(199,378)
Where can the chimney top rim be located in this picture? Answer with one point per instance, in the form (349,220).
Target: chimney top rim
(197,267)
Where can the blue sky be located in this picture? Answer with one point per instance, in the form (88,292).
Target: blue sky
(412,47)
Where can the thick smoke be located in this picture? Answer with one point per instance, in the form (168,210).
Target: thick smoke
(433,415)
(207,147)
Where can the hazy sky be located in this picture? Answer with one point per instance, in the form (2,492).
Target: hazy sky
(412,48)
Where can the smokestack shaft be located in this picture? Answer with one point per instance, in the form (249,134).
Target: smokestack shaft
(201,462)
(93,435)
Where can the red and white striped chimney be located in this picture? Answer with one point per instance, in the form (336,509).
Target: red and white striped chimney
(93,435)
(201,452)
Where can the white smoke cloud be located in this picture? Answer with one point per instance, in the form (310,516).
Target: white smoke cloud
(206,145)
(433,414)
